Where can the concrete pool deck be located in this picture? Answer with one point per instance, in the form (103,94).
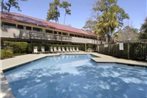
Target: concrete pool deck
(100,58)
(19,60)
(22,59)
(5,91)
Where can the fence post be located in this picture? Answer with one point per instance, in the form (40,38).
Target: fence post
(128,50)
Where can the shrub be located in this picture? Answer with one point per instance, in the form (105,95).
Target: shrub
(18,47)
(29,48)
(21,47)
(81,47)
(6,53)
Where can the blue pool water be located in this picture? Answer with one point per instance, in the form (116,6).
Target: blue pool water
(76,76)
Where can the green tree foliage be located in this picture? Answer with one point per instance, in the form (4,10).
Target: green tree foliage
(6,5)
(90,25)
(54,13)
(110,17)
(125,34)
(65,5)
(143,33)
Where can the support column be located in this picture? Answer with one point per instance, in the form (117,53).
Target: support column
(85,46)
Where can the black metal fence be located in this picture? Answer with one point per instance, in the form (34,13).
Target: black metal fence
(135,51)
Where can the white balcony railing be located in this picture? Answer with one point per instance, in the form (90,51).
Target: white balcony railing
(83,40)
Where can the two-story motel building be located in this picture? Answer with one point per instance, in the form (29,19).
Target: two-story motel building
(18,27)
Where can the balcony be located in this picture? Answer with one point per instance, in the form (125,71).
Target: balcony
(83,40)
(27,34)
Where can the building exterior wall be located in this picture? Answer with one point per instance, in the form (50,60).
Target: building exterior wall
(14,32)
(52,37)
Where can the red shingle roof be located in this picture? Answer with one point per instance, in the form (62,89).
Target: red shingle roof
(31,20)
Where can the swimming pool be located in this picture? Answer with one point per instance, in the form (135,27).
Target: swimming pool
(77,76)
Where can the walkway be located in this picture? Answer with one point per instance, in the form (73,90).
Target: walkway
(101,58)
(19,60)
(5,91)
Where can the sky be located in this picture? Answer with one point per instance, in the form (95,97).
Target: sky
(81,11)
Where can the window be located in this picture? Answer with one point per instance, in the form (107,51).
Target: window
(59,33)
(20,27)
(4,24)
(78,36)
(37,29)
(49,31)
(72,35)
(55,32)
(28,28)
(64,34)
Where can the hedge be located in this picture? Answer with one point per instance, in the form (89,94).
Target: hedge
(138,51)
(18,47)
(6,53)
